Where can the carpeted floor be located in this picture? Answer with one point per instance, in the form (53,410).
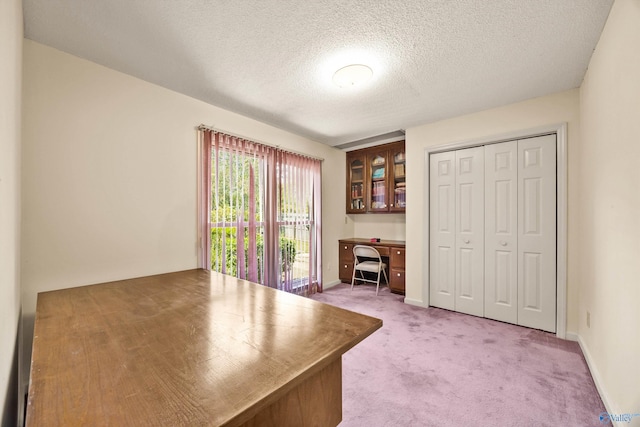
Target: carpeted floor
(434,367)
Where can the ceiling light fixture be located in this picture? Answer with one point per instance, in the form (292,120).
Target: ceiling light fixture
(352,75)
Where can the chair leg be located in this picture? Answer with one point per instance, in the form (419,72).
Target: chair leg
(384,272)
(353,278)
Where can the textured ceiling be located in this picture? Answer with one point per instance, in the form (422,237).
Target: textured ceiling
(273,60)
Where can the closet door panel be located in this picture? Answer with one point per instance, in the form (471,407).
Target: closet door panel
(469,241)
(537,233)
(442,230)
(501,232)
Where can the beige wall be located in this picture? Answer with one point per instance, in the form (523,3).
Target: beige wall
(384,226)
(548,110)
(10,98)
(109,175)
(608,244)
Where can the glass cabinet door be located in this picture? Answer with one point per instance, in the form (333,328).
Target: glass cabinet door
(378,184)
(397,190)
(356,190)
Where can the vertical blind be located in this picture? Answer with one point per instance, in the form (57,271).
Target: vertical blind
(260,213)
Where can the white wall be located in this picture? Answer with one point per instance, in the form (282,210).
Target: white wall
(109,176)
(10,98)
(547,110)
(384,226)
(609,185)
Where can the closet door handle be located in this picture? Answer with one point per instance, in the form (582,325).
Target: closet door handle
(503,243)
(467,241)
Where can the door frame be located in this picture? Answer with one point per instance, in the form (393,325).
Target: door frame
(560,130)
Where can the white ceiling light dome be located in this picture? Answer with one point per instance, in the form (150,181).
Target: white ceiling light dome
(352,75)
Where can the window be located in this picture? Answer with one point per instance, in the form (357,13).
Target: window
(260,213)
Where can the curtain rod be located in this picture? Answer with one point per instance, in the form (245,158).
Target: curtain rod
(213,129)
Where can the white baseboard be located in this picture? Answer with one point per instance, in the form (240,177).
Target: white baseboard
(415,302)
(331,284)
(571,336)
(597,379)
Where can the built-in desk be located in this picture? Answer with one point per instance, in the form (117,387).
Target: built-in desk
(191,348)
(392,252)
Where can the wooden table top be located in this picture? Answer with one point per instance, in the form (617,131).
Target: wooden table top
(185,348)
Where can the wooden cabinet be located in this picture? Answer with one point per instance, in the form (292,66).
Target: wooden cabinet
(391,251)
(396,269)
(376,179)
(346,261)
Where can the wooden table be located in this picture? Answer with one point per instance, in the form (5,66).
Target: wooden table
(191,348)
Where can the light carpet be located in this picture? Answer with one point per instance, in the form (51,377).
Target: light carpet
(434,367)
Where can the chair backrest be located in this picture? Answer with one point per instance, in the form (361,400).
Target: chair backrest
(363,251)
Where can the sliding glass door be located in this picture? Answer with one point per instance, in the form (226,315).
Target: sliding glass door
(264,213)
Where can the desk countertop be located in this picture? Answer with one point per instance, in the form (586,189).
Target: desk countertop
(364,241)
(186,348)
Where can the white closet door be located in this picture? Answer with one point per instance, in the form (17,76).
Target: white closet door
(501,232)
(442,230)
(537,232)
(469,241)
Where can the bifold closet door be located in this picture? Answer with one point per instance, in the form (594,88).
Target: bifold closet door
(501,232)
(469,241)
(442,233)
(537,232)
(456,230)
(493,231)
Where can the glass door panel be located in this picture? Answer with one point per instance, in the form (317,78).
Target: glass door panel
(378,187)
(356,188)
(397,182)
